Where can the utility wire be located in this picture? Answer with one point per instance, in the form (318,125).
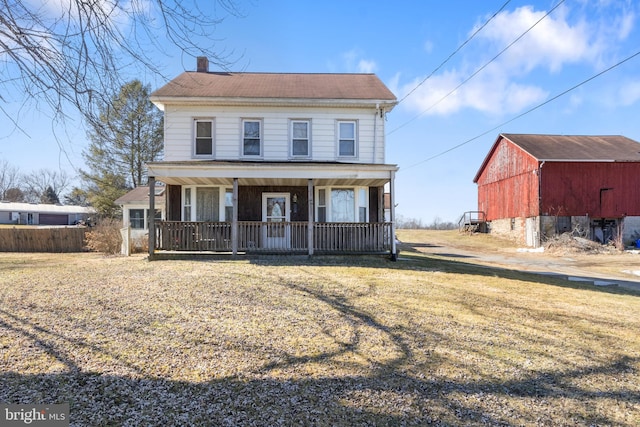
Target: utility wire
(477,71)
(526,112)
(455,51)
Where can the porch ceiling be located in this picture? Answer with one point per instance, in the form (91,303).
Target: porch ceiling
(267,173)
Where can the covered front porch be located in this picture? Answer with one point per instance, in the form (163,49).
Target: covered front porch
(241,208)
(274,237)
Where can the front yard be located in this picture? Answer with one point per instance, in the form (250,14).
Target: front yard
(328,341)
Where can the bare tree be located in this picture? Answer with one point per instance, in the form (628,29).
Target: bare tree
(74,53)
(45,182)
(9,179)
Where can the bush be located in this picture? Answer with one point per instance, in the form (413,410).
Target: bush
(105,237)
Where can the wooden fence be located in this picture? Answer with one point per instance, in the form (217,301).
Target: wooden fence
(40,239)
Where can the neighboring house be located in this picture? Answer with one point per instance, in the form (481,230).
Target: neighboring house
(274,162)
(43,214)
(531,187)
(135,210)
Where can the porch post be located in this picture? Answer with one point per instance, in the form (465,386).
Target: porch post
(392,214)
(310,216)
(152,216)
(381,204)
(234,220)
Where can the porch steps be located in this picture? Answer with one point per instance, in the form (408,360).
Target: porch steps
(472,222)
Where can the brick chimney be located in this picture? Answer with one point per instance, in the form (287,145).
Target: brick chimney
(203,64)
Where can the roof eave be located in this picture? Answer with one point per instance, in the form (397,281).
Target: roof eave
(161,101)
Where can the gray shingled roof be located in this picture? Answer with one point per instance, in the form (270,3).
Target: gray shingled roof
(140,195)
(277,85)
(577,147)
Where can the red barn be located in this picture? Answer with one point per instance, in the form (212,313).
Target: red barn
(533,186)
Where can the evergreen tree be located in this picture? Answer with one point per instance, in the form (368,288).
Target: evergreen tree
(49,197)
(128,134)
(103,194)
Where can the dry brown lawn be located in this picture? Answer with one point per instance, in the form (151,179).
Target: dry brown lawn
(328,341)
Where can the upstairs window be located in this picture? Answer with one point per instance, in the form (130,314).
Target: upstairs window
(347,139)
(251,137)
(204,138)
(300,138)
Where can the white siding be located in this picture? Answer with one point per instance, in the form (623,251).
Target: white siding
(275,132)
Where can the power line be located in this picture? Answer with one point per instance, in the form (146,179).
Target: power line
(478,70)
(526,112)
(455,51)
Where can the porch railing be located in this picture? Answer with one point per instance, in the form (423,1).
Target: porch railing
(289,237)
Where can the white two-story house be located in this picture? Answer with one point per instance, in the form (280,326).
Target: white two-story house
(273,162)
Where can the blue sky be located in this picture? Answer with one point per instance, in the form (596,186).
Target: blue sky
(409,45)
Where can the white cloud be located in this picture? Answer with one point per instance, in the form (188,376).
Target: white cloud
(629,93)
(552,43)
(118,12)
(514,81)
(626,25)
(366,66)
(492,94)
(354,62)
(428,46)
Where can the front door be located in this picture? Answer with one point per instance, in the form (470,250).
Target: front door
(275,214)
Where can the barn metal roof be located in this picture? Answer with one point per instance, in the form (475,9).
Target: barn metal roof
(608,148)
(308,86)
(570,148)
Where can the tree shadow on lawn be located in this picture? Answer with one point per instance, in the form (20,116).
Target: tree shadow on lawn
(389,394)
(431,261)
(384,399)
(412,259)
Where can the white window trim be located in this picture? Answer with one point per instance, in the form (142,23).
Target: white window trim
(191,204)
(194,201)
(195,135)
(300,156)
(261,123)
(357,202)
(145,208)
(355,139)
